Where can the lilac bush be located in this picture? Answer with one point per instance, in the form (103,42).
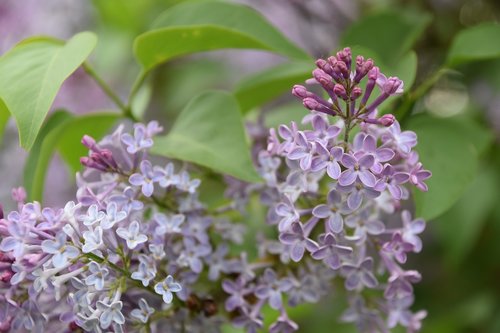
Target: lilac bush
(139,251)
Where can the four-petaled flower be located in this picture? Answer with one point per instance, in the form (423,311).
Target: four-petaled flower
(62,252)
(98,276)
(166,288)
(132,235)
(110,313)
(143,312)
(93,240)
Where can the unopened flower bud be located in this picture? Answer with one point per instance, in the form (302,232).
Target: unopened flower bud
(314,105)
(362,68)
(387,120)
(345,56)
(324,66)
(89,142)
(393,86)
(340,91)
(324,79)
(299,91)
(342,69)
(19,194)
(355,93)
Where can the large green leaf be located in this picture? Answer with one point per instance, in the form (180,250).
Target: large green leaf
(390,34)
(95,125)
(231,16)
(158,46)
(197,26)
(31,75)
(467,217)
(476,43)
(262,87)
(448,149)
(39,157)
(209,132)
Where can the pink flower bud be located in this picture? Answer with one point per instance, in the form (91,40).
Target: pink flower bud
(355,93)
(324,79)
(387,120)
(299,91)
(19,194)
(392,86)
(340,91)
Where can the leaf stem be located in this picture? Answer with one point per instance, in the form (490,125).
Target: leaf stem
(127,112)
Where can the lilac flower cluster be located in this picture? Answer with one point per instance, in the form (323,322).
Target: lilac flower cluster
(127,256)
(138,250)
(335,192)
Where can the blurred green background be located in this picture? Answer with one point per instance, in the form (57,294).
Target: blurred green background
(460,262)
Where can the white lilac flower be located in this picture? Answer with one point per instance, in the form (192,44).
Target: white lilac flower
(61,251)
(113,216)
(166,288)
(92,240)
(97,277)
(132,235)
(146,271)
(143,312)
(94,215)
(110,313)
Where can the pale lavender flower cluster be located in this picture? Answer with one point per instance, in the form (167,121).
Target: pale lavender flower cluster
(336,193)
(127,256)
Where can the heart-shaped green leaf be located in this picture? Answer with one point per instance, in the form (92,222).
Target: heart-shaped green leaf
(210,132)
(31,75)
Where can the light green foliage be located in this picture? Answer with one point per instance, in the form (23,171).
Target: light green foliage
(389,34)
(231,16)
(32,73)
(196,26)
(467,216)
(209,132)
(4,118)
(480,42)
(450,148)
(262,87)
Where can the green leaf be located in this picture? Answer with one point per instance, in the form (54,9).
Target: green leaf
(4,118)
(480,42)
(389,34)
(40,156)
(32,73)
(447,148)
(262,87)
(467,217)
(235,17)
(197,26)
(209,132)
(159,46)
(95,125)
